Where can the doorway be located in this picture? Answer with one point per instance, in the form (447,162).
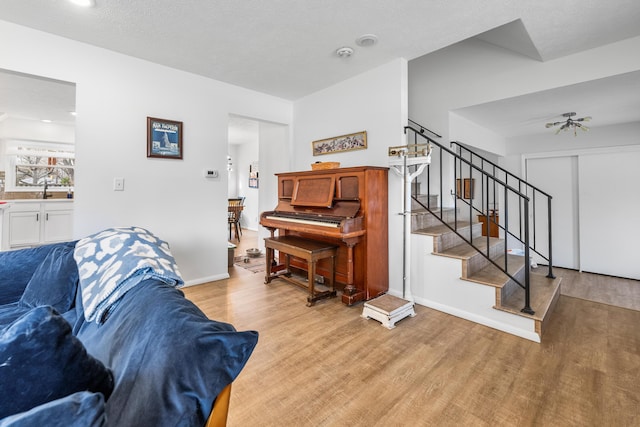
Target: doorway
(242,164)
(257,149)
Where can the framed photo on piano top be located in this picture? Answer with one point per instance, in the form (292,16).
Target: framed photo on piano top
(350,142)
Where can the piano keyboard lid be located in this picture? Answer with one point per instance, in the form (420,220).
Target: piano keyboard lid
(341,209)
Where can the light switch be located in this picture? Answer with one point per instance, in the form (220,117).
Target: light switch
(118,184)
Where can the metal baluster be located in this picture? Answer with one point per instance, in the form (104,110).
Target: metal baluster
(506,225)
(550,273)
(527,289)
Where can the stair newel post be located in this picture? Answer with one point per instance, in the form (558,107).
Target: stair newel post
(455,197)
(488,218)
(550,273)
(441,183)
(527,266)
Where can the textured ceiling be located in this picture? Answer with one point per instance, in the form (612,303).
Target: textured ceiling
(287,47)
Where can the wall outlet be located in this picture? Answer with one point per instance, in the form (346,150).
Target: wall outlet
(118,184)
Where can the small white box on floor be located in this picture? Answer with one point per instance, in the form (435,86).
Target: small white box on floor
(388,310)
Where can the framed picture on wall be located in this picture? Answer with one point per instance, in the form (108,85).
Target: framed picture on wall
(352,141)
(164,138)
(469,188)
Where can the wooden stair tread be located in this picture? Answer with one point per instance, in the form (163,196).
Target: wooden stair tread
(419,210)
(438,230)
(543,293)
(466,251)
(493,276)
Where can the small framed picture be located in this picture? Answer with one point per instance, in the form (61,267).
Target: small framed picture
(352,141)
(469,187)
(164,138)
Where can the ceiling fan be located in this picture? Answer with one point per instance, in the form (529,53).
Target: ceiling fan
(570,123)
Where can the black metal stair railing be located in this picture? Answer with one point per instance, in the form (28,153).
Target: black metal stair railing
(537,197)
(492,189)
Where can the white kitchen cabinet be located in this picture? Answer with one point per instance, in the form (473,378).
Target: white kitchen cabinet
(37,223)
(58,222)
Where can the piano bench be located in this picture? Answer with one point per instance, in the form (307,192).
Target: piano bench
(311,251)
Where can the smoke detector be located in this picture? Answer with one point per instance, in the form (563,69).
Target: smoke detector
(344,52)
(367,40)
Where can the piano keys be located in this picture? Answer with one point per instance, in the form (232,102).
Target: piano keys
(347,207)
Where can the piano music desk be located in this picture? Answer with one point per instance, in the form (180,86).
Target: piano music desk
(310,250)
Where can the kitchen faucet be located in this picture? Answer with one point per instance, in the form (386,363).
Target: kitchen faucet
(44,193)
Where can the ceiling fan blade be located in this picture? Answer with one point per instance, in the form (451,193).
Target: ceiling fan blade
(583,119)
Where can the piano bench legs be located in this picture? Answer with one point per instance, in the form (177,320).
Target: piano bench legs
(311,251)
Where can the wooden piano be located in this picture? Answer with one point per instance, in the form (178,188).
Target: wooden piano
(347,207)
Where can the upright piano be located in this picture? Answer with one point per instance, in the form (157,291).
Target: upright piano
(347,207)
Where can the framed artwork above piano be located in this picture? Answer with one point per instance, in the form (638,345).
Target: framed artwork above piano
(347,207)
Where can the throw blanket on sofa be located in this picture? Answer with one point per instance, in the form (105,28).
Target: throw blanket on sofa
(115,260)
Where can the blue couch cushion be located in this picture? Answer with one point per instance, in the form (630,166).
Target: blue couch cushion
(40,361)
(17,267)
(81,409)
(170,361)
(54,282)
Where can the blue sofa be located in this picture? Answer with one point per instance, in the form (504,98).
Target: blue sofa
(150,358)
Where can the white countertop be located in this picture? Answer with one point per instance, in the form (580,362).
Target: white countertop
(10,201)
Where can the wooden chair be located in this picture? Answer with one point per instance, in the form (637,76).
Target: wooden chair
(234,216)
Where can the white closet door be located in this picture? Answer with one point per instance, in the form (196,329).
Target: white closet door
(558,176)
(609,213)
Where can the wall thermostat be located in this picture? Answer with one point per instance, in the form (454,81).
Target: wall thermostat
(210,173)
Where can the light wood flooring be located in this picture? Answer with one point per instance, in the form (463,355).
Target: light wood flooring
(326,366)
(596,287)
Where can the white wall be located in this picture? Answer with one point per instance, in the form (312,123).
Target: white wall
(34,130)
(473,72)
(233,174)
(466,131)
(565,143)
(275,156)
(115,94)
(248,153)
(374,101)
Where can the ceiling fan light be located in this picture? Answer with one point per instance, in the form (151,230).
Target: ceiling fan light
(570,123)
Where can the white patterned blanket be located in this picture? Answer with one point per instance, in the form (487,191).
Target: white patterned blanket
(115,260)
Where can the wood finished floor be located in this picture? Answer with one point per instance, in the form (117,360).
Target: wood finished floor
(326,366)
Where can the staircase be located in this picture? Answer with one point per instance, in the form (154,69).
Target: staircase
(457,270)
